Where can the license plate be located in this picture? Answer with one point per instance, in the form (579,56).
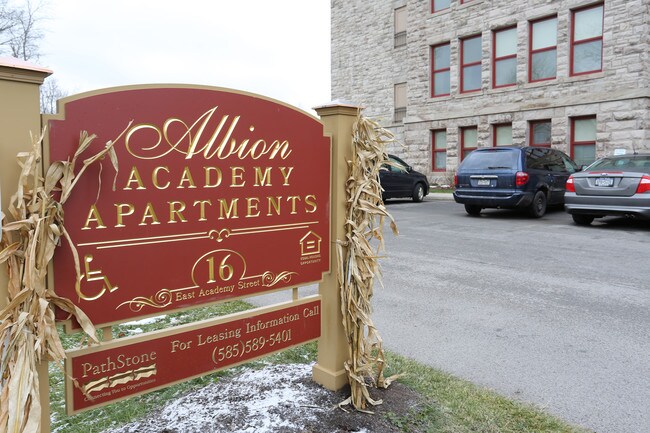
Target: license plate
(483,182)
(604,181)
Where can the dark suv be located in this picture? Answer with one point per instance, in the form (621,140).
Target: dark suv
(513,177)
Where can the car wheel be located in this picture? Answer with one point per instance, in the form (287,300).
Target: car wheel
(418,193)
(582,220)
(538,206)
(472,209)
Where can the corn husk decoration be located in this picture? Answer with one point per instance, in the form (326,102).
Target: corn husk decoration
(358,260)
(28,334)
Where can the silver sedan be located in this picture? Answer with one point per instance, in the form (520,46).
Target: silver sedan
(616,185)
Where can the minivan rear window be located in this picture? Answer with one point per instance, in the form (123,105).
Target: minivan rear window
(497,159)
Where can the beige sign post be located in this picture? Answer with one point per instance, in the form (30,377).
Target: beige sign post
(333,351)
(20,114)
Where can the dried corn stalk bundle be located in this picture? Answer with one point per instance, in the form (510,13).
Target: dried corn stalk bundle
(28,333)
(358,260)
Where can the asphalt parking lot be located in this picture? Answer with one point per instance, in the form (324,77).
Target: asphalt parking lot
(540,310)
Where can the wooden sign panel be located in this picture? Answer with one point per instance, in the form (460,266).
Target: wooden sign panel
(137,365)
(219,195)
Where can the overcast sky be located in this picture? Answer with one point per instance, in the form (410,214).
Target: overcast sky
(279,49)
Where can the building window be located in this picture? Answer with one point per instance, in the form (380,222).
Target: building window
(439,5)
(502,134)
(400,27)
(470,67)
(400,102)
(543,50)
(587,40)
(468,140)
(540,133)
(504,61)
(583,140)
(439,150)
(440,63)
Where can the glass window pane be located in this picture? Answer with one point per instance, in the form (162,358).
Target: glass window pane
(441,83)
(588,23)
(587,57)
(584,155)
(472,50)
(400,19)
(440,139)
(542,133)
(441,58)
(441,4)
(584,129)
(503,135)
(505,72)
(440,161)
(544,34)
(470,137)
(544,65)
(506,42)
(472,78)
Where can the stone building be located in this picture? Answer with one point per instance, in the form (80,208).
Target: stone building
(447,76)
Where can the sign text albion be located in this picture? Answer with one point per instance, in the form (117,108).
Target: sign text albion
(219,195)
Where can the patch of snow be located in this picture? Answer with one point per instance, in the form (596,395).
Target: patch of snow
(254,401)
(147,321)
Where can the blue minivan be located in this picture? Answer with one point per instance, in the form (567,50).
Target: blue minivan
(529,178)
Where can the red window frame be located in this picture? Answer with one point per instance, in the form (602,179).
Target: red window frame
(531,139)
(433,7)
(531,51)
(463,147)
(575,143)
(437,153)
(574,43)
(435,71)
(467,65)
(495,127)
(496,59)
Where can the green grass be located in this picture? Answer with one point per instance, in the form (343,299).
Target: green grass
(450,405)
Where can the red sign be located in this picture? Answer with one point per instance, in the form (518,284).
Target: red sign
(219,195)
(135,365)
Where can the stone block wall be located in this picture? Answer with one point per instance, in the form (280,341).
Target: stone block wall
(366,66)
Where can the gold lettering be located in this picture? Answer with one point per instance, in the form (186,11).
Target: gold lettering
(262,179)
(251,206)
(286,175)
(237,176)
(175,209)
(202,204)
(93,216)
(134,176)
(311,201)
(149,213)
(123,209)
(229,210)
(186,178)
(293,199)
(154,177)
(208,178)
(274,204)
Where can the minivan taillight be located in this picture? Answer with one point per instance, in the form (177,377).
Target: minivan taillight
(521,178)
(456,180)
(570,187)
(644,185)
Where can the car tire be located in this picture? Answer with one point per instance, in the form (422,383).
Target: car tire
(537,208)
(418,193)
(582,220)
(473,209)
